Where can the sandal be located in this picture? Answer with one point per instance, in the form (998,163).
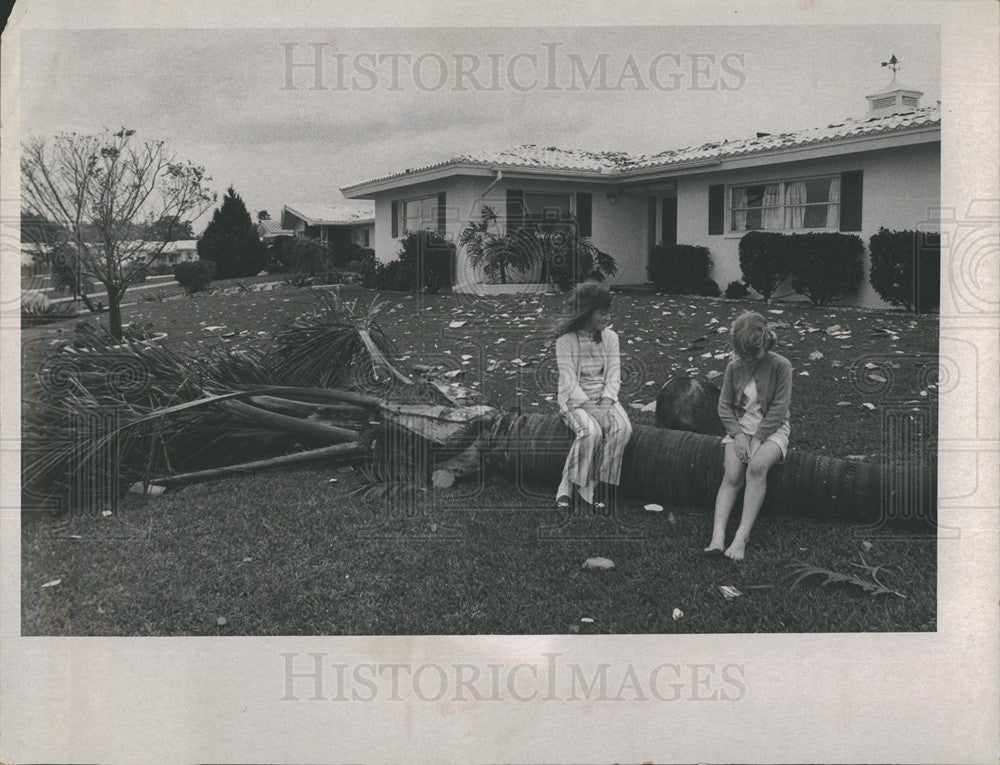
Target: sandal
(564,502)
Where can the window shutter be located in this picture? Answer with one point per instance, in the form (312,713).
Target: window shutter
(515,209)
(442,213)
(850,200)
(716,208)
(395,219)
(670,220)
(584,216)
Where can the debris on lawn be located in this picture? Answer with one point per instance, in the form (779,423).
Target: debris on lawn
(599,564)
(221,621)
(872,585)
(677,614)
(652,507)
(587,620)
(53,583)
(729,592)
(152,490)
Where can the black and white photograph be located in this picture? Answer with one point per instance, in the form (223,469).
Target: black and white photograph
(632,360)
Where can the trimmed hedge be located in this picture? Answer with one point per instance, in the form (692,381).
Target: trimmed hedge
(680,268)
(195,275)
(736,290)
(825,266)
(764,261)
(429,261)
(394,275)
(906,268)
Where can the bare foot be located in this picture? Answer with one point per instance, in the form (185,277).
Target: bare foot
(736,550)
(714,547)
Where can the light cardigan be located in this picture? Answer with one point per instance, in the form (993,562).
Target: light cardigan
(570,394)
(773,375)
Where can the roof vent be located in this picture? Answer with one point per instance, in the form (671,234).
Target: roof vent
(895,99)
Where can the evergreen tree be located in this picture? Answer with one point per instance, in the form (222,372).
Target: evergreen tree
(231,240)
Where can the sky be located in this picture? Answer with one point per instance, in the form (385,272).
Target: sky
(226,100)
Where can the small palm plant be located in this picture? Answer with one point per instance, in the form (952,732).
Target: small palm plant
(496,252)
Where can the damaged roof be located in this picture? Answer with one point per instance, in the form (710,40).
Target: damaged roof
(612,162)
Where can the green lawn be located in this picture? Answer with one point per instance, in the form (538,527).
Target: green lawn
(288,552)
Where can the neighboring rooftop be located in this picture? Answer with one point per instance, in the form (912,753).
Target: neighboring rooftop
(609,163)
(349,211)
(272,228)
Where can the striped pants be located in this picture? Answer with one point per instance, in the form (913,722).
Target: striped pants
(596,453)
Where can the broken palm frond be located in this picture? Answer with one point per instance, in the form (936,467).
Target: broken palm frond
(873,585)
(123,414)
(343,451)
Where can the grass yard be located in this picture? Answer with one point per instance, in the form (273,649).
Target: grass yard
(289,552)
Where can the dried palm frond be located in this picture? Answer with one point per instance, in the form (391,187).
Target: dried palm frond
(326,347)
(872,585)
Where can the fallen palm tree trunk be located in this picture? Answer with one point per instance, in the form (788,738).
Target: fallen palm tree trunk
(337,452)
(685,469)
(283,422)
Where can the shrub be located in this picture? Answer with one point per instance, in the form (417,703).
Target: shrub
(365,267)
(37,309)
(709,288)
(159,268)
(430,260)
(679,268)
(349,253)
(825,266)
(305,257)
(906,268)
(569,258)
(736,290)
(195,275)
(763,261)
(394,275)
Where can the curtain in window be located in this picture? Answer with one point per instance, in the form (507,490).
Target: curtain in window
(772,207)
(739,205)
(795,198)
(833,209)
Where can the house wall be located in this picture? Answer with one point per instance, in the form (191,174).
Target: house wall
(900,188)
(618,227)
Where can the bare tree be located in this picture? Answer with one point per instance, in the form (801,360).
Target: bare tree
(106,191)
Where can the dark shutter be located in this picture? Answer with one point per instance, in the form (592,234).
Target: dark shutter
(442,213)
(651,223)
(670,220)
(850,200)
(515,209)
(716,208)
(584,216)
(395,219)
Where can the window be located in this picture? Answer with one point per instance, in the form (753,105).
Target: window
(547,211)
(810,203)
(419,214)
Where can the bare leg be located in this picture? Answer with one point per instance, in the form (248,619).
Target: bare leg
(729,489)
(764,458)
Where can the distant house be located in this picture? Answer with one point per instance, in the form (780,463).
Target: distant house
(271,231)
(333,225)
(852,176)
(179,252)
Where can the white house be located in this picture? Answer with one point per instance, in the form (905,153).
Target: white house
(854,176)
(333,225)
